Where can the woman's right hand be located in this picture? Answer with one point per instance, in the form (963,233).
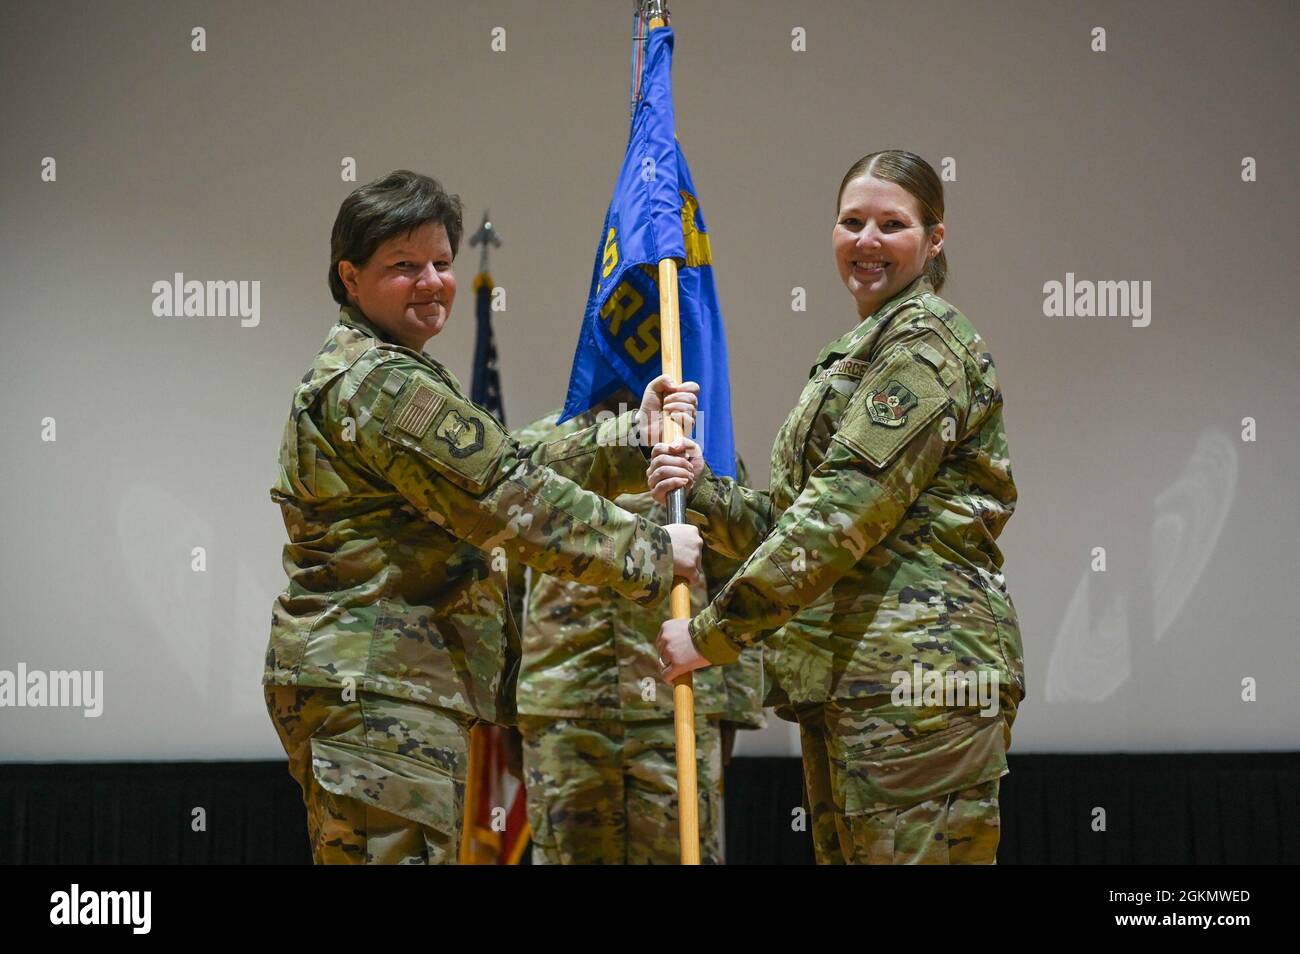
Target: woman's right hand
(688,548)
(673,466)
(663,397)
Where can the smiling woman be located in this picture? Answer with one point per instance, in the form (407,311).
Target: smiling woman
(889,229)
(870,566)
(407,288)
(404,284)
(403,501)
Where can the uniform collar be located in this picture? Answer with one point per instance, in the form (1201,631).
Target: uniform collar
(353,317)
(848,341)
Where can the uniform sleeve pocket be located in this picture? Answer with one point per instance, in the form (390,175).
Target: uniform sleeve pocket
(461,439)
(890,408)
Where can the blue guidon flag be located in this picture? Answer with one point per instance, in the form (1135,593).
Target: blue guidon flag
(655,214)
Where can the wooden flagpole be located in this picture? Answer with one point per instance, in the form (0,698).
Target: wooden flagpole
(688,798)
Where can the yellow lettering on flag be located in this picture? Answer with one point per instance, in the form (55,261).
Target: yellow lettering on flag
(698,251)
(625,302)
(611,255)
(648,333)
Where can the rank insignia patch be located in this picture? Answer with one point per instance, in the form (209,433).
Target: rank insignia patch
(889,406)
(416,415)
(464,435)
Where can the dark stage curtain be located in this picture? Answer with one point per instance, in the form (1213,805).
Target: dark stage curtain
(1205,808)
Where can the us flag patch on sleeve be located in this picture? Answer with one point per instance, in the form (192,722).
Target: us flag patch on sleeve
(416,413)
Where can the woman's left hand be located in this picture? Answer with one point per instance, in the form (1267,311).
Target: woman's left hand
(677,654)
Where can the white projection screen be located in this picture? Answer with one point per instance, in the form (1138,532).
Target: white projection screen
(1160,442)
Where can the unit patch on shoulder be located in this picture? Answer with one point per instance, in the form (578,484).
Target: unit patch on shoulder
(893,405)
(889,405)
(463,435)
(460,439)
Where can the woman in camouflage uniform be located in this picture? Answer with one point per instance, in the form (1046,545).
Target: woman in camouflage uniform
(404,502)
(870,566)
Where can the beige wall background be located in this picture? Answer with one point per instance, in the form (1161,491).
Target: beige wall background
(225,165)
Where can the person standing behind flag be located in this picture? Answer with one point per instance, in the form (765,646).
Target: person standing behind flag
(872,561)
(597,727)
(404,501)
(653,304)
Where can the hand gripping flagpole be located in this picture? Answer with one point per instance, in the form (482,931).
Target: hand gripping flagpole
(655,13)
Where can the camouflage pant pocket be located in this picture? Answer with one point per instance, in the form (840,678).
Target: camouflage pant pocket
(383,779)
(890,785)
(874,766)
(401,757)
(957,828)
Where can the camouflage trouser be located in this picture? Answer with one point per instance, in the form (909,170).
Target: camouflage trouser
(605,792)
(889,785)
(383,779)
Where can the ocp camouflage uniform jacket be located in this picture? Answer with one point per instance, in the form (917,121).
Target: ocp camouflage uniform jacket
(587,654)
(873,552)
(404,503)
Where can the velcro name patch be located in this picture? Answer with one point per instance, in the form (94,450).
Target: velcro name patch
(850,367)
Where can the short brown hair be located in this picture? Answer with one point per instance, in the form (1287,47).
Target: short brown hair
(918,177)
(394,205)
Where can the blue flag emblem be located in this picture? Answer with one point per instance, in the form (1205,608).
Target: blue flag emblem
(655,214)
